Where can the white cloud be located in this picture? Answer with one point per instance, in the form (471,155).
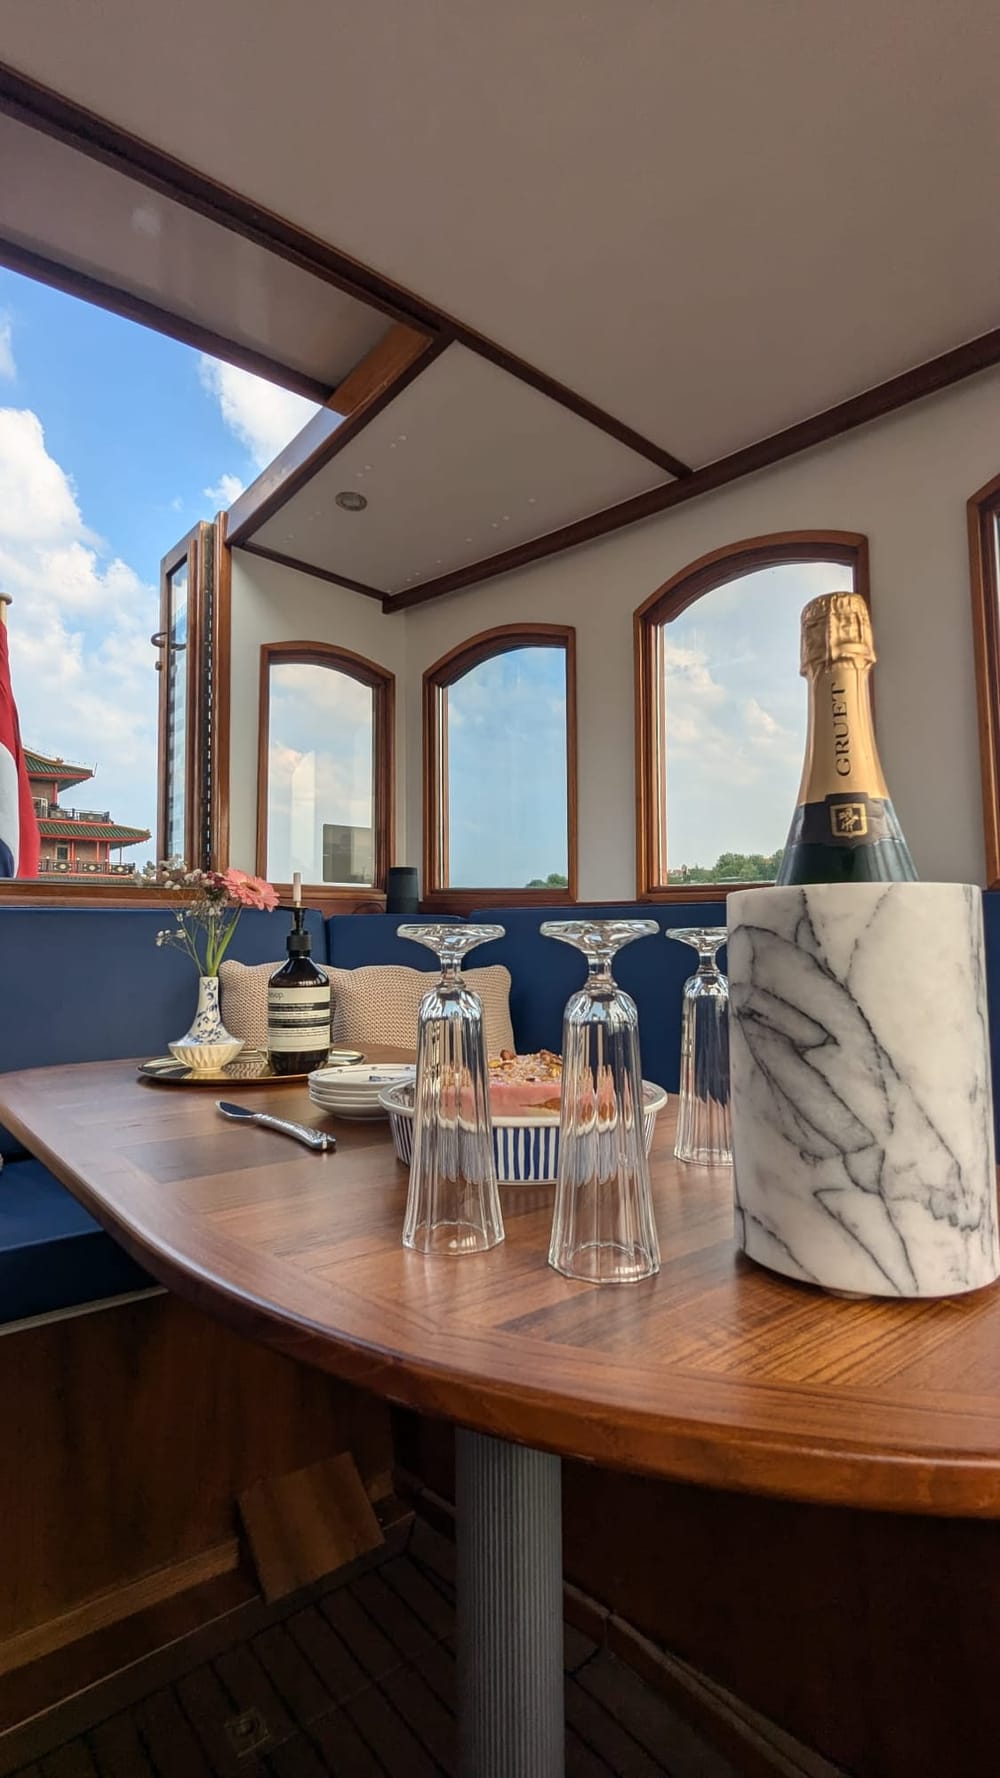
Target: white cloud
(227,489)
(262,416)
(79,632)
(7,366)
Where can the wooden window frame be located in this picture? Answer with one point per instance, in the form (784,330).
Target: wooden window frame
(983,511)
(439,895)
(36,892)
(192,549)
(716,569)
(326,896)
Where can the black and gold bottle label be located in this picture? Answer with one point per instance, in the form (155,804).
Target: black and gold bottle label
(853,820)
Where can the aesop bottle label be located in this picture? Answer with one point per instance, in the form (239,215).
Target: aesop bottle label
(298,1018)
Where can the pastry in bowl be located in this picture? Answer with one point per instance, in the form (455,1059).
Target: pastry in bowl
(525,1085)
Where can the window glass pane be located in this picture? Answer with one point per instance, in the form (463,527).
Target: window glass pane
(507,800)
(734,721)
(320,784)
(176,668)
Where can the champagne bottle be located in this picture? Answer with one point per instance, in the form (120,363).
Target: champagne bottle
(298,1007)
(844,829)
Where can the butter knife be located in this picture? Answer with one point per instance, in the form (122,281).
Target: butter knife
(317,1139)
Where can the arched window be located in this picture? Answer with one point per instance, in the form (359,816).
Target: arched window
(984,557)
(325,767)
(721,711)
(500,768)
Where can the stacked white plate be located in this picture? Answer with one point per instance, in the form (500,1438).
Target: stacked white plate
(352,1090)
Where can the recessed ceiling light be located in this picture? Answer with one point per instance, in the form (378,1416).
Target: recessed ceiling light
(350,500)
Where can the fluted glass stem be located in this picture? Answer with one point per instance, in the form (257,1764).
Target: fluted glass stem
(704,1132)
(603,1228)
(453,1204)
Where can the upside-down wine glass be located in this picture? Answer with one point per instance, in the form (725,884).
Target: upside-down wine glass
(704,1129)
(453,1205)
(603,1228)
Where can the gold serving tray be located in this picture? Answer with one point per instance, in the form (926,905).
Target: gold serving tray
(250,1068)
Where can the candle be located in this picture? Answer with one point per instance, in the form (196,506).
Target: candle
(297,889)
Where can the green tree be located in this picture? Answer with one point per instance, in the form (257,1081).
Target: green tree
(731,867)
(554,880)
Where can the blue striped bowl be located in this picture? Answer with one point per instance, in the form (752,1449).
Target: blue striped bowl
(527,1150)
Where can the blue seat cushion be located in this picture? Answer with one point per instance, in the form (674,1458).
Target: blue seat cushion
(90,985)
(544,973)
(53,1255)
(355,940)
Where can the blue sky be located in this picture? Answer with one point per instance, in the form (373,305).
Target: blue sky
(114,441)
(507,770)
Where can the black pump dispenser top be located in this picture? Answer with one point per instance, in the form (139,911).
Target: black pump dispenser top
(298,943)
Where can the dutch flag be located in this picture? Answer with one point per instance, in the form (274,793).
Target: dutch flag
(18,824)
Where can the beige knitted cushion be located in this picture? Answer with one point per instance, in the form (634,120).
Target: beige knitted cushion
(375,1004)
(378,1004)
(243,999)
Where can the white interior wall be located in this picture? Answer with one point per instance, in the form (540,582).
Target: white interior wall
(904,481)
(275,604)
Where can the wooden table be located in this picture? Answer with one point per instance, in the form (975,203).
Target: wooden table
(715,1372)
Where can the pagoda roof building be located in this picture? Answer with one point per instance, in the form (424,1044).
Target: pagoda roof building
(75,842)
(55,772)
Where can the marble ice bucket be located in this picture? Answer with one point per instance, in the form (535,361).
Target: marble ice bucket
(862,1109)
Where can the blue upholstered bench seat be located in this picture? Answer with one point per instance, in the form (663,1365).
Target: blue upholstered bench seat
(53,1255)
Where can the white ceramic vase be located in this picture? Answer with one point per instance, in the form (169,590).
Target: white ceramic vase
(207,1046)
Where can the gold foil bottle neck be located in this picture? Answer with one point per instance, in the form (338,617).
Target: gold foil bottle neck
(836,627)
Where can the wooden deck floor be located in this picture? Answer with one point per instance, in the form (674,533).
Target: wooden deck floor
(361,1684)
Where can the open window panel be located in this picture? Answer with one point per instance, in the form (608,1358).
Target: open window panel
(192,664)
(325,773)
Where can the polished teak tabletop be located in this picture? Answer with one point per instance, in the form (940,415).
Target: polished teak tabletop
(716,1372)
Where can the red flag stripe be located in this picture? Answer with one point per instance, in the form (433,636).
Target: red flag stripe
(10,737)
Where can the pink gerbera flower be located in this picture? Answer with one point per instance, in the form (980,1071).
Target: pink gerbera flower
(250,892)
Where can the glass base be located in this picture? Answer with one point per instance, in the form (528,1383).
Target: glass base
(704,1157)
(450,1238)
(607,1263)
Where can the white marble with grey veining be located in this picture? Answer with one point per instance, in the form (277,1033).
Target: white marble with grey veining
(862,1106)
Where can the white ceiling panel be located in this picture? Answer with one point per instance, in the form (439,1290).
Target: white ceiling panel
(465,462)
(712,220)
(70,208)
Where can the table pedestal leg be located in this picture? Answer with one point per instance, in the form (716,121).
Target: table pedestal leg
(510,1618)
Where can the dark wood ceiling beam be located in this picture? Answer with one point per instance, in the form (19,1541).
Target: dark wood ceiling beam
(383,373)
(885,398)
(41,108)
(283,561)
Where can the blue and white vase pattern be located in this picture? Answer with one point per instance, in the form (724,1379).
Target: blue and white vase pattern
(207,1046)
